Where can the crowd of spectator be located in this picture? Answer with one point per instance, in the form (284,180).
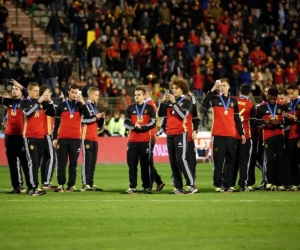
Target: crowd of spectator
(253,42)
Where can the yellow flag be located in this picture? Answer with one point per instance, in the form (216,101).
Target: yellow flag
(91,36)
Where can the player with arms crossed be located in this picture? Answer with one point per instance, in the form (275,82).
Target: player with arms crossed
(226,121)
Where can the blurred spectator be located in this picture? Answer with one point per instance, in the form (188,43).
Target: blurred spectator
(94,52)
(116,125)
(20,47)
(51,73)
(123,101)
(5,73)
(39,71)
(64,70)
(87,86)
(3,13)
(55,28)
(129,87)
(198,83)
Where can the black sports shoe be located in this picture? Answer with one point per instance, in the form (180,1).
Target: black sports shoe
(244,189)
(191,190)
(59,189)
(131,191)
(147,191)
(95,188)
(38,192)
(177,191)
(71,189)
(160,187)
(29,192)
(14,191)
(229,190)
(261,187)
(22,189)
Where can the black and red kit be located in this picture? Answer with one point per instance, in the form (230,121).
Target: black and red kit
(67,131)
(273,138)
(14,143)
(226,123)
(247,113)
(139,148)
(34,134)
(177,138)
(90,144)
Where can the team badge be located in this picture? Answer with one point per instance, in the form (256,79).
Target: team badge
(57,146)
(279,111)
(216,149)
(266,145)
(41,106)
(298,106)
(87,146)
(180,104)
(31,147)
(231,104)
(146,111)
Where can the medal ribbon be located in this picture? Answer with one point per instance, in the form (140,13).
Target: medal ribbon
(69,108)
(226,106)
(38,108)
(180,100)
(92,107)
(140,114)
(273,113)
(293,107)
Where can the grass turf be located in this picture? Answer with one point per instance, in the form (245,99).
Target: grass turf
(111,220)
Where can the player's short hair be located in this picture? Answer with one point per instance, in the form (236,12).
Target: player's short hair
(31,85)
(273,91)
(92,89)
(43,89)
(283,92)
(225,80)
(74,86)
(292,86)
(180,83)
(148,89)
(245,89)
(140,88)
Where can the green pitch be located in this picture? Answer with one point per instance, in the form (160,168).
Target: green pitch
(111,220)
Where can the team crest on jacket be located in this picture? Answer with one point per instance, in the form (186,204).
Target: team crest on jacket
(87,146)
(298,106)
(216,149)
(57,146)
(266,145)
(231,104)
(146,112)
(279,111)
(41,106)
(31,147)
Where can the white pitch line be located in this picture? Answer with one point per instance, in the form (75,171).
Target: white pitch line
(36,200)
